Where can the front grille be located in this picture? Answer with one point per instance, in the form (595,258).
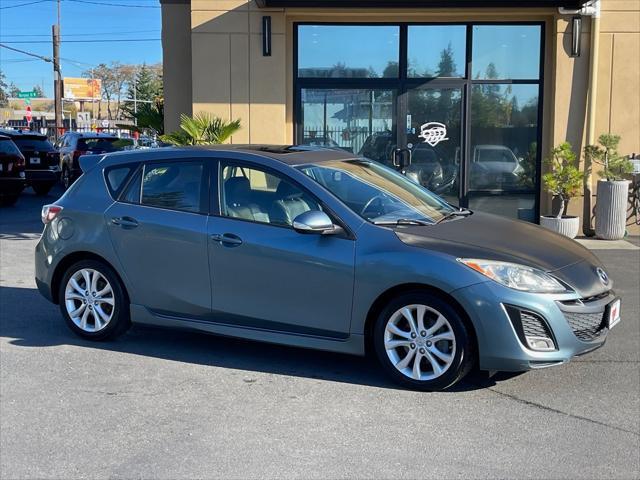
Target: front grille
(586,326)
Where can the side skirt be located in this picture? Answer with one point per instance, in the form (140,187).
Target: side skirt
(353,345)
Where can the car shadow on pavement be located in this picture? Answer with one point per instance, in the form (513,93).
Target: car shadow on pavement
(28,320)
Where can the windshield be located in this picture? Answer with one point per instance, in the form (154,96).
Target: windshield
(103,144)
(39,144)
(377,193)
(486,155)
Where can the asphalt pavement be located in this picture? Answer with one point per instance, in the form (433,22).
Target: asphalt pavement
(168,404)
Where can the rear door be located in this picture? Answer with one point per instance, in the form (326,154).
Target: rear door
(159,231)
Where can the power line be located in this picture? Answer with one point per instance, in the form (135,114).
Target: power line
(80,34)
(46,59)
(105,40)
(24,4)
(106,4)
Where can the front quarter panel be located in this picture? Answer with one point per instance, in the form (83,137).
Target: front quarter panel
(384,262)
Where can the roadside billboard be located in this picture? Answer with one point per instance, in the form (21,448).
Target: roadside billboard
(82,88)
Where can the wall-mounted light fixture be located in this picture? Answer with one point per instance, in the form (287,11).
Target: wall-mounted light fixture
(266,36)
(576,34)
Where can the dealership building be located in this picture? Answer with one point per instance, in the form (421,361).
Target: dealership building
(476,92)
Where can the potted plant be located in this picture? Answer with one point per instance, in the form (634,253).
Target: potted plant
(613,189)
(563,181)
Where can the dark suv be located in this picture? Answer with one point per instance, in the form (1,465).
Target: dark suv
(72,145)
(11,171)
(41,159)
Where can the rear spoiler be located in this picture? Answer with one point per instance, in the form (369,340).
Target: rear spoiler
(87,162)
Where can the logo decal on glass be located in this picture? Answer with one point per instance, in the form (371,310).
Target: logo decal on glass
(433,133)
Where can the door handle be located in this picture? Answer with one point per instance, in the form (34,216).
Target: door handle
(125,222)
(227,239)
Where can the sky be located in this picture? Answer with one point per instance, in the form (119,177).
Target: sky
(26,25)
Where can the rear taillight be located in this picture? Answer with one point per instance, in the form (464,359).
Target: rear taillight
(20,162)
(49,212)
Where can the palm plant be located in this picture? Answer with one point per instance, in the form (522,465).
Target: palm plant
(149,118)
(201,129)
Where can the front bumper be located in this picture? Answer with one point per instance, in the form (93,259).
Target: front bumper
(575,325)
(10,186)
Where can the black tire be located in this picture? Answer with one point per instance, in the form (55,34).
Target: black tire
(42,189)
(8,200)
(65,177)
(120,320)
(464,355)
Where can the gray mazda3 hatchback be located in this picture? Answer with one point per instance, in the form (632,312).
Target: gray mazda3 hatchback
(316,248)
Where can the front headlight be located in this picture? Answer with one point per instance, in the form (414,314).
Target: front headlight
(518,277)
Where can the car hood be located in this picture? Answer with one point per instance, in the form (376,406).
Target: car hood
(490,237)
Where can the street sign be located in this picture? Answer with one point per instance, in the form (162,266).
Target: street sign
(27,101)
(29,115)
(31,94)
(84,119)
(105,123)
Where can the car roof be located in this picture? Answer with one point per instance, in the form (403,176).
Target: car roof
(92,134)
(20,133)
(287,154)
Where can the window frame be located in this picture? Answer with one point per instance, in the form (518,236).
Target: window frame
(205,190)
(224,162)
(403,84)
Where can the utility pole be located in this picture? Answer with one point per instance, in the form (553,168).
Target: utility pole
(57,76)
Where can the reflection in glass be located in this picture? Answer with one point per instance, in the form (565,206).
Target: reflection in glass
(433,131)
(506,52)
(348,51)
(504,130)
(357,120)
(437,51)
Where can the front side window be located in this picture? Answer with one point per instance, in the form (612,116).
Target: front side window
(348,51)
(377,193)
(172,185)
(260,196)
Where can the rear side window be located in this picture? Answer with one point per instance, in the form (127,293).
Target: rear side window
(172,185)
(116,178)
(7,147)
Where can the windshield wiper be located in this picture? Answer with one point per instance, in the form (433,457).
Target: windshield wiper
(405,221)
(463,212)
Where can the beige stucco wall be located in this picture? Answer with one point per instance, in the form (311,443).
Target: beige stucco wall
(222,70)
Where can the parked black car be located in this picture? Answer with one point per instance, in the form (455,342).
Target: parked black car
(42,169)
(72,145)
(11,171)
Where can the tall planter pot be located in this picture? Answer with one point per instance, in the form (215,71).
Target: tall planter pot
(611,209)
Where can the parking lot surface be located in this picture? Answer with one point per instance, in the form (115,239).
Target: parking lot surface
(169,404)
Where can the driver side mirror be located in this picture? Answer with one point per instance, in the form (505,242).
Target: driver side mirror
(314,221)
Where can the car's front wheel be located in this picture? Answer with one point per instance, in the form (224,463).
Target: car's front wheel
(422,342)
(93,301)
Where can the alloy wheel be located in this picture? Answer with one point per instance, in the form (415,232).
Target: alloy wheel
(89,300)
(420,342)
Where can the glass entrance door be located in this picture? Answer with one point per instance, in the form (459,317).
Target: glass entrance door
(432,134)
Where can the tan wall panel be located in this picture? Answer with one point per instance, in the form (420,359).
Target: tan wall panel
(620,5)
(268,91)
(176,60)
(219,5)
(220,21)
(211,78)
(240,78)
(625,91)
(620,22)
(603,98)
(277,22)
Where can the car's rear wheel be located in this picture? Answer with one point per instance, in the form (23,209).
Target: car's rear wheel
(93,301)
(42,189)
(422,342)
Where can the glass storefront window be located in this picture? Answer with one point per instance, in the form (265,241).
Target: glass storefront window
(352,119)
(348,51)
(436,51)
(504,135)
(506,52)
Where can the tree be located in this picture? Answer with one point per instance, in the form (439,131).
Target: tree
(564,180)
(114,77)
(149,117)
(145,87)
(39,91)
(13,90)
(447,66)
(4,95)
(615,166)
(202,129)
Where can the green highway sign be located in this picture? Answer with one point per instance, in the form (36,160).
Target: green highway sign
(27,101)
(31,94)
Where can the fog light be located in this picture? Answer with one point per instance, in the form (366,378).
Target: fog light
(540,344)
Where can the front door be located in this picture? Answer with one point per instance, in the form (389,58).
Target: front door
(266,275)
(432,136)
